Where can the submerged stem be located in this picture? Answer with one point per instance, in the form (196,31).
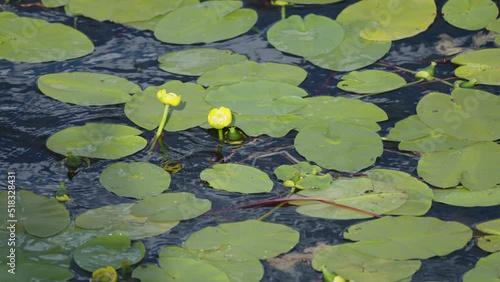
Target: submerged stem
(283,12)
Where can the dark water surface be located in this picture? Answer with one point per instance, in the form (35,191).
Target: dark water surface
(28,118)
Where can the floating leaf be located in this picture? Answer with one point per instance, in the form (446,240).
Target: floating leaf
(197,61)
(258,97)
(418,137)
(487,269)
(37,215)
(489,243)
(135,180)
(37,272)
(97,140)
(490,227)
(87,89)
(274,126)
(371,82)
(353,52)
(463,197)
(389,20)
(54,3)
(419,237)
(475,166)
(53,41)
(215,21)
(482,65)
(118,219)
(466,113)
(306,37)
(180,270)
(361,193)
(171,207)
(109,250)
(253,71)
(146,110)
(246,240)
(237,178)
(339,145)
(470,15)
(351,264)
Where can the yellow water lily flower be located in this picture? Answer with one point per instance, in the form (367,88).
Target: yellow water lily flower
(104,274)
(169,98)
(220,118)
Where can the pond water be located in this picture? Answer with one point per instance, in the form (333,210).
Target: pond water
(28,118)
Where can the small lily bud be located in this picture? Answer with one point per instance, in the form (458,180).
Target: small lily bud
(427,73)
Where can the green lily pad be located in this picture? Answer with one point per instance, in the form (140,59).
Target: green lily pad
(135,180)
(118,219)
(304,176)
(122,11)
(323,109)
(38,272)
(253,71)
(171,207)
(37,215)
(389,20)
(419,194)
(87,89)
(258,98)
(246,240)
(339,145)
(97,140)
(109,250)
(274,126)
(474,166)
(146,110)
(53,41)
(418,137)
(306,37)
(215,21)
(419,237)
(361,193)
(180,270)
(313,1)
(197,61)
(353,52)
(371,82)
(463,197)
(470,15)
(54,3)
(489,243)
(237,178)
(490,227)
(466,114)
(357,266)
(482,65)
(487,269)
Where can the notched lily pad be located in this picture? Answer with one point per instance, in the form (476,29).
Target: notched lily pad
(371,82)
(463,197)
(486,269)
(482,65)
(237,178)
(470,15)
(274,126)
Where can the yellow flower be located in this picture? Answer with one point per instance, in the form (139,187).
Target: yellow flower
(63,198)
(105,274)
(168,98)
(220,118)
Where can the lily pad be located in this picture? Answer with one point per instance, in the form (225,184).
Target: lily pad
(110,250)
(135,180)
(482,65)
(419,237)
(371,82)
(117,219)
(389,20)
(54,3)
(197,61)
(87,89)
(246,240)
(418,137)
(358,266)
(475,166)
(171,207)
(339,145)
(354,52)
(237,178)
(490,227)
(308,37)
(215,21)
(274,126)
(466,114)
(313,1)
(463,197)
(146,110)
(180,270)
(361,193)
(97,140)
(38,272)
(489,243)
(253,71)
(487,269)
(470,15)
(53,41)
(258,97)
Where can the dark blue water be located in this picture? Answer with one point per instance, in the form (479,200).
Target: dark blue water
(28,118)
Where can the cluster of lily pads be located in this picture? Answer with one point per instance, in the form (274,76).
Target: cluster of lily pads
(456,134)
